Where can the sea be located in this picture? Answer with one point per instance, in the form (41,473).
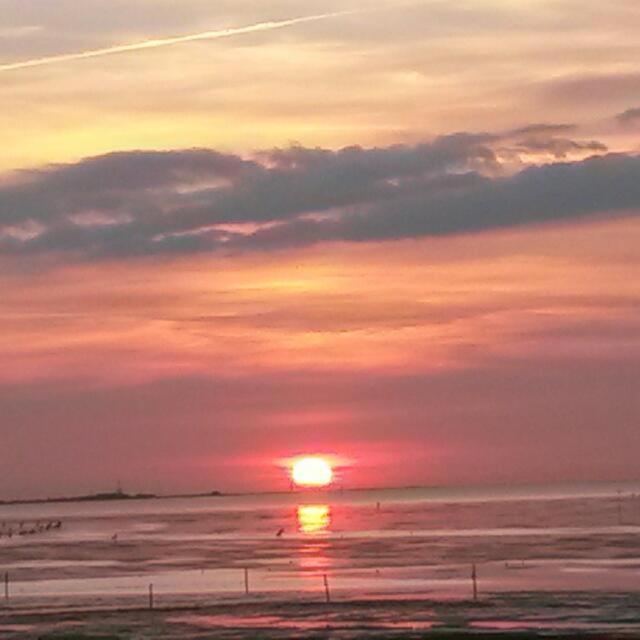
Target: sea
(538,559)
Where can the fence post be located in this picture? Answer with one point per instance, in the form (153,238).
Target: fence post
(6,585)
(474,578)
(246,581)
(151,596)
(326,588)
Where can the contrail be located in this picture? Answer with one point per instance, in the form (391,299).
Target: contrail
(166,42)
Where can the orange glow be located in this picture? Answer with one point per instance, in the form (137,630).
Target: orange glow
(313,518)
(312,471)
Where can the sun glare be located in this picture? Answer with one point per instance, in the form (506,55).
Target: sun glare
(312,471)
(313,518)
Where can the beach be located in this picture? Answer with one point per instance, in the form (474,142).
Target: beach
(547,559)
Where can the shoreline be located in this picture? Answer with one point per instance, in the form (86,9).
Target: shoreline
(522,490)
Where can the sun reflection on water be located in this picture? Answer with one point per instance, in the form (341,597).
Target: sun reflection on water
(314,519)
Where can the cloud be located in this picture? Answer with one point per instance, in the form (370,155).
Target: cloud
(187,201)
(19,31)
(629,117)
(601,88)
(559,147)
(550,139)
(553,193)
(542,129)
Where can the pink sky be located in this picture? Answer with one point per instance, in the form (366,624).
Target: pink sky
(221,253)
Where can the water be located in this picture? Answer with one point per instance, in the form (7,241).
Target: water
(548,556)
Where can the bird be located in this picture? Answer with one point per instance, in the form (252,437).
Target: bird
(280,532)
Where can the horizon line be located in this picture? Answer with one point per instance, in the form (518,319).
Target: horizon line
(143,495)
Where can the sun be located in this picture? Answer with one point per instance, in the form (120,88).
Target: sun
(311,471)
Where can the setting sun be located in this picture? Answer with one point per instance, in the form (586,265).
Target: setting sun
(312,471)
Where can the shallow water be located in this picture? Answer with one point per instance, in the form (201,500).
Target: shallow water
(393,545)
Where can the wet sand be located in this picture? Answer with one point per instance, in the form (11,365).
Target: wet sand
(546,564)
(516,616)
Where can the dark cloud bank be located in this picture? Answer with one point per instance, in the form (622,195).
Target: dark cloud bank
(144,202)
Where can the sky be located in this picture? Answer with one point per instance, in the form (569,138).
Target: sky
(402,234)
